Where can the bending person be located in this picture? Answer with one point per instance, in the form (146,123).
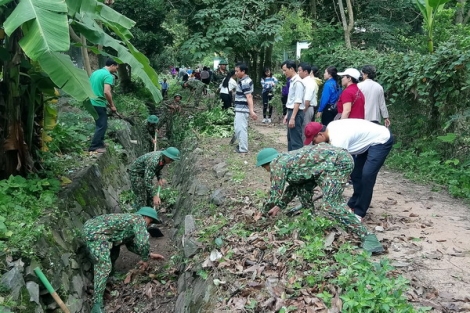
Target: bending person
(304,169)
(368,142)
(105,234)
(142,172)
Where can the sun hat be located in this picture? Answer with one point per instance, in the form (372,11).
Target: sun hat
(149,212)
(153,119)
(223,62)
(311,130)
(172,153)
(351,72)
(178,95)
(265,156)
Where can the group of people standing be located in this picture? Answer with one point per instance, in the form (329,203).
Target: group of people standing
(349,143)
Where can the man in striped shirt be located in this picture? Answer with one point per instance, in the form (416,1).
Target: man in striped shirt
(243,107)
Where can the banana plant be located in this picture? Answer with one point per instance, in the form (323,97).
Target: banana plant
(36,37)
(429,9)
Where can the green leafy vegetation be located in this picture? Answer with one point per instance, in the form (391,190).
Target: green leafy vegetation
(23,204)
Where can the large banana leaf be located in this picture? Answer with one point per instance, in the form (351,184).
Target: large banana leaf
(139,63)
(65,75)
(44,24)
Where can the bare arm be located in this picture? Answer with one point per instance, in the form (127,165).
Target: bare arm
(346,110)
(109,97)
(249,99)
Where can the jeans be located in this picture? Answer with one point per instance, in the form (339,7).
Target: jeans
(241,130)
(101,125)
(364,175)
(294,135)
(267,107)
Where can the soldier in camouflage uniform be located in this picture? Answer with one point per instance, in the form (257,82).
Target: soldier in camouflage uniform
(105,234)
(170,109)
(151,131)
(197,88)
(142,172)
(221,72)
(303,169)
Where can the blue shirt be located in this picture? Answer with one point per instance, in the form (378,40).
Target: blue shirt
(330,94)
(268,83)
(164,85)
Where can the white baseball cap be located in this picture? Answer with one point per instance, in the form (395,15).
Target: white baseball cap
(351,72)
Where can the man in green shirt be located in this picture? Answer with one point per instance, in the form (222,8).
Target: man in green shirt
(144,169)
(303,169)
(101,81)
(104,236)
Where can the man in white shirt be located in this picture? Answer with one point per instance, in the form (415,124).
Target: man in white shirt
(374,95)
(368,142)
(295,106)
(310,94)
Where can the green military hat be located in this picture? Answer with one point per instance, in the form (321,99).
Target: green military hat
(152,119)
(149,212)
(178,95)
(172,153)
(265,156)
(223,62)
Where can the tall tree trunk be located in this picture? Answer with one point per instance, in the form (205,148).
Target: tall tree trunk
(125,77)
(313,8)
(268,59)
(254,65)
(459,14)
(348,24)
(86,58)
(261,63)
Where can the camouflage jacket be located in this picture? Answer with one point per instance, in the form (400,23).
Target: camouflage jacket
(148,166)
(120,228)
(298,167)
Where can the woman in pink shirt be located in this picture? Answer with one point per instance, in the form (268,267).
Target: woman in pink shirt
(351,103)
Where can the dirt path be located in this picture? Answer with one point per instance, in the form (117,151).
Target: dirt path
(427,234)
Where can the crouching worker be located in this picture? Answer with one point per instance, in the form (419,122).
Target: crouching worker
(105,234)
(142,172)
(303,169)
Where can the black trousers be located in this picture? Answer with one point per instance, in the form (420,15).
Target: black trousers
(267,107)
(328,115)
(227,100)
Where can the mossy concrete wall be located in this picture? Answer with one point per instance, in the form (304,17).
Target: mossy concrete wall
(61,252)
(195,294)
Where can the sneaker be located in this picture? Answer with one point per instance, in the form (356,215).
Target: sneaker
(358,218)
(99,150)
(265,120)
(371,244)
(269,121)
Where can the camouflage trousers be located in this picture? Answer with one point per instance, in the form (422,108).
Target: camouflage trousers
(141,195)
(332,181)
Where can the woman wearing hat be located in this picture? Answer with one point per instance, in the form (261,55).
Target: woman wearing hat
(142,172)
(351,103)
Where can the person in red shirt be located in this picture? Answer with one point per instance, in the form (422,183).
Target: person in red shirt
(351,103)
